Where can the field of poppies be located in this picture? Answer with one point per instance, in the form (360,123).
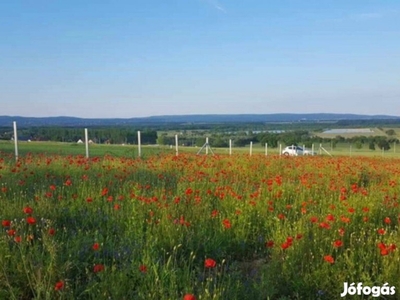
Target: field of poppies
(197,226)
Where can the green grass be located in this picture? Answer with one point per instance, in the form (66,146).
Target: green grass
(131,151)
(268,223)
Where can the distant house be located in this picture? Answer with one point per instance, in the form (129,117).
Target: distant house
(23,138)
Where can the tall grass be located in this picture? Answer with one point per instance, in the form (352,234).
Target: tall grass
(127,228)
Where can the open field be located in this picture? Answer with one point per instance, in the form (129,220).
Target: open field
(131,151)
(214,227)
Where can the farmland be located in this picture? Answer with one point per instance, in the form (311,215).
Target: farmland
(215,227)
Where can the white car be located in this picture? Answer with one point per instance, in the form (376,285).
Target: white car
(297,151)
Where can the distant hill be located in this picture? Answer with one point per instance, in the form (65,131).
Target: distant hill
(6,121)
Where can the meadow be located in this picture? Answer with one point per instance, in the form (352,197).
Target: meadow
(196,226)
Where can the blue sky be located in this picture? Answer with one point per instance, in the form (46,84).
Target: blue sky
(138,58)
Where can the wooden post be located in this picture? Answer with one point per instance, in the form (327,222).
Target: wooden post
(86,143)
(176,145)
(15,140)
(251,148)
(139,144)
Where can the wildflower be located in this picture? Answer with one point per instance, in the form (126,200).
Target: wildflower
(11,232)
(31,220)
(269,244)
(28,210)
(143,268)
(214,213)
(18,239)
(210,263)
(96,246)
(324,225)
(189,297)
(330,218)
(98,268)
(337,243)
(314,219)
(329,259)
(59,285)
(227,224)
(387,220)
(345,219)
(6,223)
(341,231)
(287,244)
(51,231)
(381,231)
(104,191)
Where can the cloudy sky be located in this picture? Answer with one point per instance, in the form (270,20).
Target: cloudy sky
(133,58)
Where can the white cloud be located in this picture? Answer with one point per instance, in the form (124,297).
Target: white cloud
(216,5)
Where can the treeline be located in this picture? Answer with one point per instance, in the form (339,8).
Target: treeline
(110,135)
(296,137)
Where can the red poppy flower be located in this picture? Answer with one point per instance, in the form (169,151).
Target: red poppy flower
(286,245)
(143,268)
(6,223)
(345,219)
(11,232)
(214,213)
(227,224)
(59,285)
(387,220)
(314,219)
(329,259)
(18,239)
(52,231)
(104,191)
(281,216)
(330,218)
(210,263)
(325,225)
(28,210)
(381,231)
(269,244)
(31,220)
(337,243)
(98,268)
(96,246)
(341,231)
(189,297)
